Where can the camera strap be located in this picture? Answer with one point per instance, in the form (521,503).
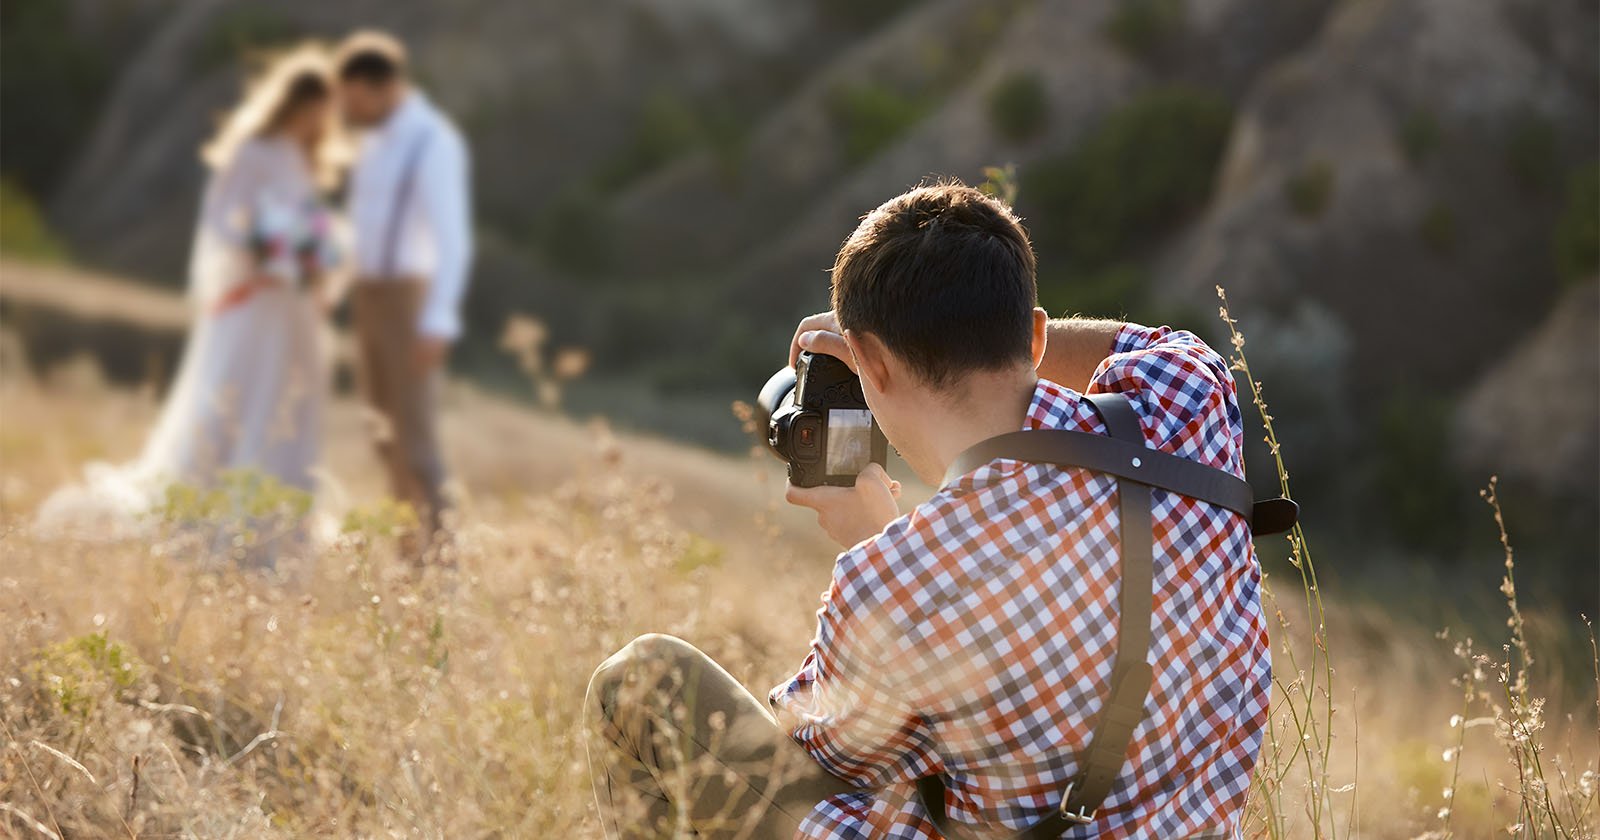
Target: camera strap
(1137,468)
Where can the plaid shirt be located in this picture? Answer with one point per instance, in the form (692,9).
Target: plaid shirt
(976,635)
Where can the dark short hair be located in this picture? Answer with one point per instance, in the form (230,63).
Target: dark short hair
(376,58)
(944,276)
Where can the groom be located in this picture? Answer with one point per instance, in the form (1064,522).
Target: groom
(411,214)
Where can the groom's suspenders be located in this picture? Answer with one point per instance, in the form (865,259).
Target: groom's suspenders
(1137,468)
(402,203)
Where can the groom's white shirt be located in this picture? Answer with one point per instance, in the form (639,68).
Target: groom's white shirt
(433,238)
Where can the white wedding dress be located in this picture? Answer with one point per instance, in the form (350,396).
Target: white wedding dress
(249,394)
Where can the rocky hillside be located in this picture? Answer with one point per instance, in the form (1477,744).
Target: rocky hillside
(1397,193)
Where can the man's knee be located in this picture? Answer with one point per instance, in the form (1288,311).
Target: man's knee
(640,663)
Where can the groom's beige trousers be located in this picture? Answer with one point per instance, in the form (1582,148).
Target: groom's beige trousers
(678,748)
(403,398)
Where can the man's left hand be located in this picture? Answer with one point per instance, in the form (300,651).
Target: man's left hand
(431,353)
(852,514)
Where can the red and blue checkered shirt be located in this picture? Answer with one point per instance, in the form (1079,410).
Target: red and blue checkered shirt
(976,635)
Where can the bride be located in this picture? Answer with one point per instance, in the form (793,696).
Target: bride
(244,415)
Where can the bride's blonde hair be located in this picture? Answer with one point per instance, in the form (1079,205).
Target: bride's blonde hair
(285,83)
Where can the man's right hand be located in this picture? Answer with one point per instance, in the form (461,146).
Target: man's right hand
(820,333)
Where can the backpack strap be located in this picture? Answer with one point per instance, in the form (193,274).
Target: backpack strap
(1137,468)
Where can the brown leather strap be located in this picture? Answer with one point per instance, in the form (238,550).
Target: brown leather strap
(1137,468)
(1102,762)
(1131,676)
(1132,460)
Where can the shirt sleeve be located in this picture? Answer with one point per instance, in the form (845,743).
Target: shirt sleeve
(843,705)
(226,208)
(446,209)
(1183,391)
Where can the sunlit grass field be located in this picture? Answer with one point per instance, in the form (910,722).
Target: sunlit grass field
(151,688)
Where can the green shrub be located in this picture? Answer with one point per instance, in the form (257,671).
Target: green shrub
(1148,166)
(1417,489)
(1143,28)
(1018,108)
(574,232)
(52,83)
(1420,136)
(240,30)
(1310,190)
(1531,150)
(83,671)
(23,232)
(1109,292)
(1577,234)
(1438,229)
(857,16)
(666,129)
(872,116)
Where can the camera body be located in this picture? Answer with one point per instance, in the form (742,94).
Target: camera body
(819,423)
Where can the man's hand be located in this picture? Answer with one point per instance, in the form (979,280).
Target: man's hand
(820,333)
(852,514)
(430,353)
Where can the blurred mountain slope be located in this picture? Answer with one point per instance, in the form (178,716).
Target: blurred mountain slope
(1395,192)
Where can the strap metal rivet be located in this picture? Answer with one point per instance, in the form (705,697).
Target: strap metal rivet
(1137,463)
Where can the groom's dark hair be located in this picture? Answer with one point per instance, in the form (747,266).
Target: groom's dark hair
(376,58)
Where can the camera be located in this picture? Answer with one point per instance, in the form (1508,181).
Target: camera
(818,422)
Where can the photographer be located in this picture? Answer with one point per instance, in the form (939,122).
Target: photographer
(966,654)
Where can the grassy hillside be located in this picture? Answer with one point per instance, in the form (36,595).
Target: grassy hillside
(150,688)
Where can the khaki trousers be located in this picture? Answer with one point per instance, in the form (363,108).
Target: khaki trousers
(678,748)
(403,399)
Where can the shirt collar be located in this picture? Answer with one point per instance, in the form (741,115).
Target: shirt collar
(1051,407)
(408,113)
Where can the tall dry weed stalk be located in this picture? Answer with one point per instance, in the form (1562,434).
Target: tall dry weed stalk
(1300,733)
(1293,793)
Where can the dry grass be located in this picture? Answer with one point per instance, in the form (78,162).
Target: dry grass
(149,689)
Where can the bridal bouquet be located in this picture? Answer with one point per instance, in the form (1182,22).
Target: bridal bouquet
(292,243)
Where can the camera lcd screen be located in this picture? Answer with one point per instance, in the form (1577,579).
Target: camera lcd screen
(849,440)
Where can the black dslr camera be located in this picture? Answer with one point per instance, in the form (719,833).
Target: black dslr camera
(818,422)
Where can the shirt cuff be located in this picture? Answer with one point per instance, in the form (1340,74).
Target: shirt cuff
(445,324)
(1137,337)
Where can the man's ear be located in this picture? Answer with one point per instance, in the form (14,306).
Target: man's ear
(872,358)
(1041,329)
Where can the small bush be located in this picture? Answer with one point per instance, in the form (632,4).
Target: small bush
(1420,136)
(1310,190)
(1146,167)
(1110,292)
(574,232)
(53,81)
(873,116)
(1531,151)
(1143,28)
(1438,229)
(856,16)
(1018,108)
(23,232)
(1577,234)
(669,127)
(1419,492)
(239,30)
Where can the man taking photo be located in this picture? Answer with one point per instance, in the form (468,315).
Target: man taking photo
(966,654)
